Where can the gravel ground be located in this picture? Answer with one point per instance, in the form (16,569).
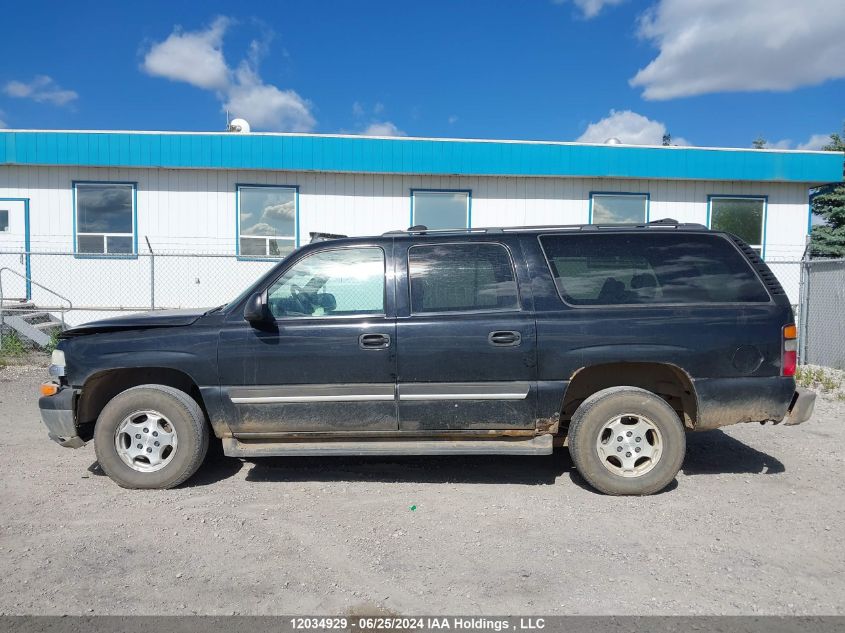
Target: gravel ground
(753,526)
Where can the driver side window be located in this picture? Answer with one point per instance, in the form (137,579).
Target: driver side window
(339,282)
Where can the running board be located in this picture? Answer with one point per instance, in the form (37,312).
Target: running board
(540,445)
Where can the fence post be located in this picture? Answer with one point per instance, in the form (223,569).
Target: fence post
(804,304)
(152,274)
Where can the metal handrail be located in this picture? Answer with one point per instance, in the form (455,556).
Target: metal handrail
(60,310)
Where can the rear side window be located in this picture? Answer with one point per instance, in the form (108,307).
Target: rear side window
(461,278)
(647,268)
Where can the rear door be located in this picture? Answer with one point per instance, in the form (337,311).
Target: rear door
(466,336)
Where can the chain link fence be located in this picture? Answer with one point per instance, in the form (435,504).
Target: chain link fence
(822,331)
(75,289)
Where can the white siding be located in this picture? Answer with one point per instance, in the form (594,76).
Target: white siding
(194,211)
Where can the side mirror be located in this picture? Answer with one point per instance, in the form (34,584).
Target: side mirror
(255,310)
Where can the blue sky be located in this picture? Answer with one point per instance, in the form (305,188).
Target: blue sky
(711,72)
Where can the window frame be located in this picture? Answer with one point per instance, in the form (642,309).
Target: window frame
(605,306)
(764,198)
(78,254)
(311,317)
(263,258)
(468,193)
(509,253)
(640,194)
(8,228)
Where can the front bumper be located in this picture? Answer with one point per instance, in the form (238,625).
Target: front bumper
(801,407)
(57,415)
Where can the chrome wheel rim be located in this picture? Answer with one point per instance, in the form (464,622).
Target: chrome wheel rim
(145,441)
(629,445)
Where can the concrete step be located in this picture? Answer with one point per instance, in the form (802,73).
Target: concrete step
(26,330)
(47,325)
(10,304)
(37,317)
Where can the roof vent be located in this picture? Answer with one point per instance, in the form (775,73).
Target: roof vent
(239,125)
(613,141)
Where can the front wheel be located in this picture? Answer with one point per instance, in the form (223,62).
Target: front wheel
(151,436)
(627,441)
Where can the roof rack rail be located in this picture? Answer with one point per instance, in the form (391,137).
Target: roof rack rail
(317,236)
(421,229)
(665,223)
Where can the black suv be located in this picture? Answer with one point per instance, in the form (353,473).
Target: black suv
(613,340)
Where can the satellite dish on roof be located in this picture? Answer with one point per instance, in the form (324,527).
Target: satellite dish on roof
(239,125)
(611,141)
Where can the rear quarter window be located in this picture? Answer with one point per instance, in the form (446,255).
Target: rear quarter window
(650,268)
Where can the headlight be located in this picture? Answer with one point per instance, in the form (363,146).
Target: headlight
(57,363)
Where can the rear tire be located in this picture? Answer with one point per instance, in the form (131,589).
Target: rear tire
(627,441)
(128,433)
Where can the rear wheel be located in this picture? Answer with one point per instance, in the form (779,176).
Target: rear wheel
(151,436)
(627,441)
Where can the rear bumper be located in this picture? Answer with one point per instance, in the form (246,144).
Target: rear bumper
(801,407)
(57,415)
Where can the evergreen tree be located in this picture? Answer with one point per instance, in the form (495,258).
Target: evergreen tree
(828,239)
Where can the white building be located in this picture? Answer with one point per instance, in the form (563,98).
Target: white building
(106,199)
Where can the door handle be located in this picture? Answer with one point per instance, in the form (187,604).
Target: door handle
(374,341)
(504,338)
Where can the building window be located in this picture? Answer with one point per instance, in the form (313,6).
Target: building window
(267,221)
(461,278)
(440,209)
(618,208)
(340,282)
(744,217)
(105,218)
(4,220)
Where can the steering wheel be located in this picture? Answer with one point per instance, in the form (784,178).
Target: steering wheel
(302,298)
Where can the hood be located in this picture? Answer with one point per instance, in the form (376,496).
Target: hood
(138,321)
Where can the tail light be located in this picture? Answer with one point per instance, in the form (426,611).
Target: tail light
(789,359)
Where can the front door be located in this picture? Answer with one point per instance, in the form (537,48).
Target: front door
(467,343)
(327,362)
(13,242)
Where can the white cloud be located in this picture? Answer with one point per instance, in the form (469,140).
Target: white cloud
(2,122)
(357,109)
(815,142)
(630,128)
(41,89)
(196,58)
(782,144)
(453,119)
(591,8)
(383,128)
(711,46)
(265,106)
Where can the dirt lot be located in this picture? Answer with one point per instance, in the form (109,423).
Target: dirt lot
(754,525)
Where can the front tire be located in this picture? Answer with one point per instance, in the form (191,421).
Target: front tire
(151,436)
(627,441)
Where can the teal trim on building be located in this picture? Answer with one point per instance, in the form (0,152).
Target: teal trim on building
(359,154)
